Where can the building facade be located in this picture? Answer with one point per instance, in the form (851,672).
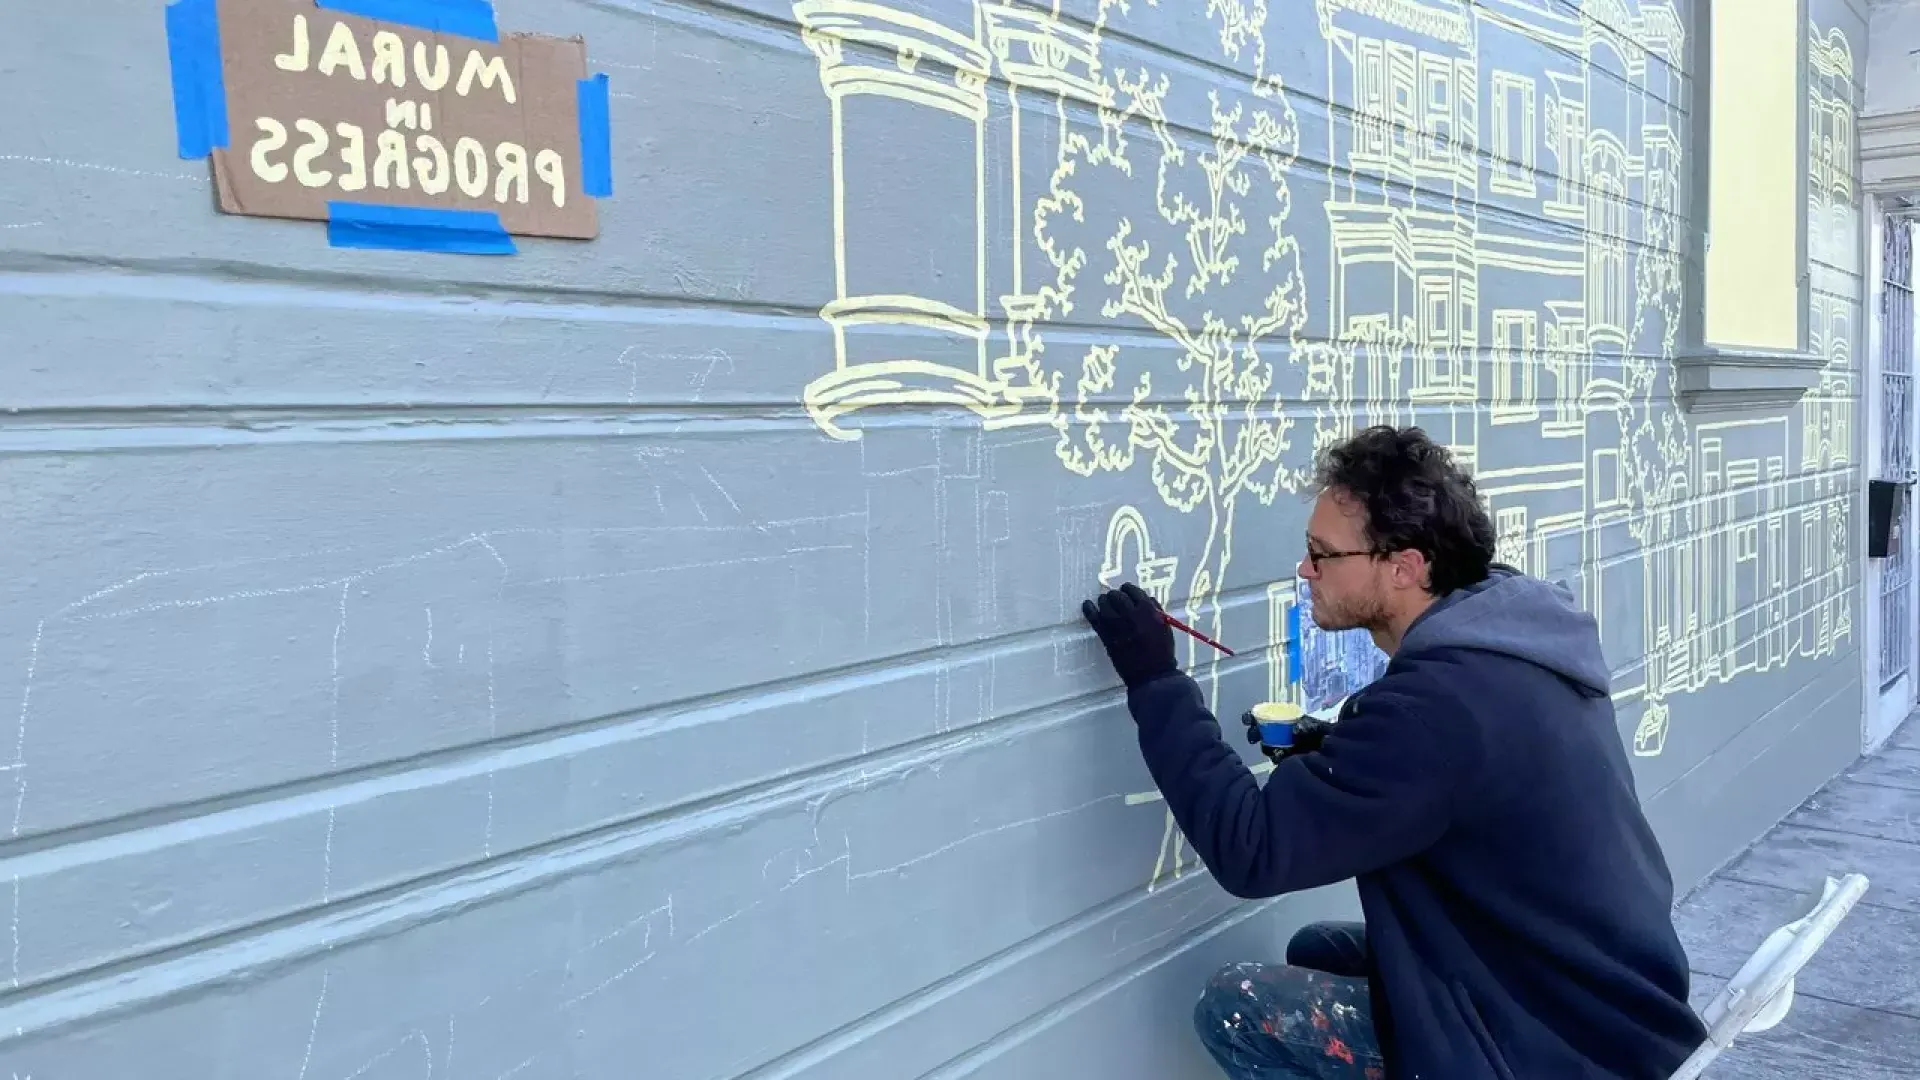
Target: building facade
(663,653)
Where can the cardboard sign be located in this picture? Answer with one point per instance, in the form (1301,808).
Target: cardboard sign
(327,107)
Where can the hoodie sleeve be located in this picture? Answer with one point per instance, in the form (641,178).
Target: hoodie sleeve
(1380,789)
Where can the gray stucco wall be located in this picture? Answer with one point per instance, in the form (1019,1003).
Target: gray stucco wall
(440,667)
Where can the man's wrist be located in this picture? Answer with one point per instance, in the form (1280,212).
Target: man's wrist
(1140,680)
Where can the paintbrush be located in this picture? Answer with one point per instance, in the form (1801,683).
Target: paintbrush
(1178,625)
(1185,629)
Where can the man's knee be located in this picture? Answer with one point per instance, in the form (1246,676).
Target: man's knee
(1310,943)
(1284,1017)
(1225,1003)
(1338,948)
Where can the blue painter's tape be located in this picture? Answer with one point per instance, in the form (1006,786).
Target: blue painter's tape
(596,137)
(468,18)
(408,228)
(199,88)
(1293,645)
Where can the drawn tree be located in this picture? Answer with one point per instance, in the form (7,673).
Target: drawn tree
(1189,263)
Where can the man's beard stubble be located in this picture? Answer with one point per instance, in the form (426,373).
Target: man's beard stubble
(1361,613)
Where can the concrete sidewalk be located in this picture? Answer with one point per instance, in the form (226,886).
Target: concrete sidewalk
(1856,1010)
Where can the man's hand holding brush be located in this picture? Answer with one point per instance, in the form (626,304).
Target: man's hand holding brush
(1115,615)
(1135,632)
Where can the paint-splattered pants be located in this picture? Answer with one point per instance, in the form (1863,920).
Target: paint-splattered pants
(1307,1019)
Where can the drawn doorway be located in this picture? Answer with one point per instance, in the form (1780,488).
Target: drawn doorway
(1892,578)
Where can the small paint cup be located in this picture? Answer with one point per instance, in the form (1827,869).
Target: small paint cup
(1275,720)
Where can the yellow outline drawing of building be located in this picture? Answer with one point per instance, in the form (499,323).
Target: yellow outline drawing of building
(1502,265)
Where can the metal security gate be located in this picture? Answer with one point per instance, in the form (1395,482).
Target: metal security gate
(1896,445)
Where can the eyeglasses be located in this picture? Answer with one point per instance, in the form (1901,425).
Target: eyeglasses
(1318,557)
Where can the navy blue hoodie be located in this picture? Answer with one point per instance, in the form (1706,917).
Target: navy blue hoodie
(1518,907)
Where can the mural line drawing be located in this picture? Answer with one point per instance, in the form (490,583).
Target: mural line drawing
(1503,266)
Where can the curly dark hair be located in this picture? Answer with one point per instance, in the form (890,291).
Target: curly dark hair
(1416,499)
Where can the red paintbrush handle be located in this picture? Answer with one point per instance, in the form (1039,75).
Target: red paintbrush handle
(1183,627)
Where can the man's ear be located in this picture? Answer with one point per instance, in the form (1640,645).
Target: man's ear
(1410,569)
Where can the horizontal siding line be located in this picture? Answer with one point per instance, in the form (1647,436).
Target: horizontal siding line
(41,852)
(1696,501)
(695,813)
(1840,656)
(263,284)
(38,851)
(270,285)
(1498,211)
(47,851)
(266,417)
(1748,611)
(95,431)
(101,431)
(1711,755)
(244,954)
(1640,553)
(1336,173)
(999,1043)
(1328,175)
(1306,166)
(718,17)
(795,1062)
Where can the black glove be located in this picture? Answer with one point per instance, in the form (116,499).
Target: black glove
(1308,735)
(1137,639)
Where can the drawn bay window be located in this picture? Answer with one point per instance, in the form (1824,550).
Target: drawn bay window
(1516,337)
(1608,315)
(1515,144)
(1750,345)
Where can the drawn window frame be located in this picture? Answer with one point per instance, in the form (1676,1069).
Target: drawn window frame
(1515,112)
(1516,351)
(1371,81)
(1439,97)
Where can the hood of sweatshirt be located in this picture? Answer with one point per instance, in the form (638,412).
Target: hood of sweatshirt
(1520,616)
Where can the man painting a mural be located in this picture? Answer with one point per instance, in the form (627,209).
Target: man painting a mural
(1516,902)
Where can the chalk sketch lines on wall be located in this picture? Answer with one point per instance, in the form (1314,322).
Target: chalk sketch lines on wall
(431,631)
(1171,862)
